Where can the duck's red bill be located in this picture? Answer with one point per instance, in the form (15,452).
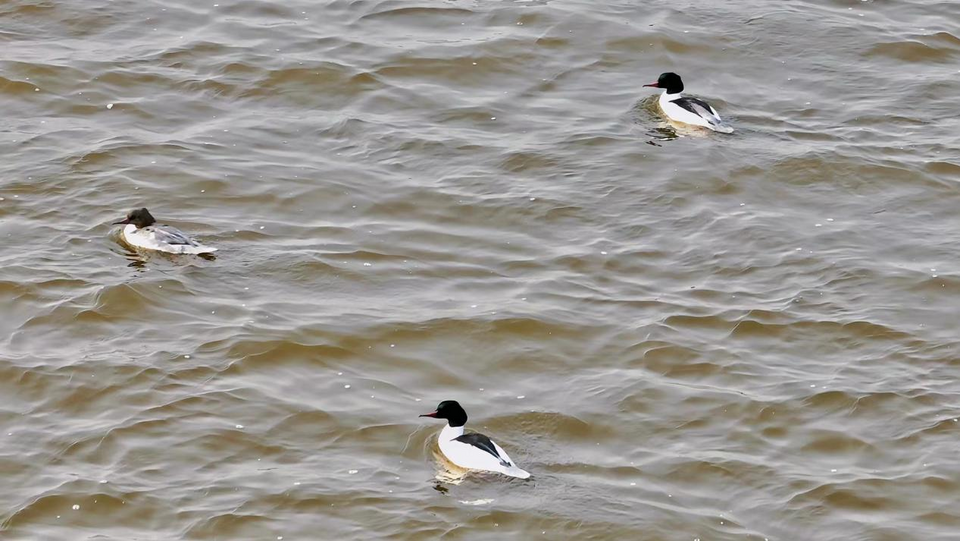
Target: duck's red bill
(431,414)
(654,85)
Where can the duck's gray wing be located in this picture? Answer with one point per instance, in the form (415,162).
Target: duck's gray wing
(172,235)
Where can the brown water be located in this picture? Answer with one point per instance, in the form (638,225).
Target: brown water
(704,337)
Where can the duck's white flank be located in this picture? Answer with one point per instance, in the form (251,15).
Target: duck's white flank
(163,238)
(706,117)
(473,458)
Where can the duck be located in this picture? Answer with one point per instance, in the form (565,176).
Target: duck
(471,451)
(142,231)
(680,108)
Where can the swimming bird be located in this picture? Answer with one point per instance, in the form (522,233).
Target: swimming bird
(687,110)
(140,230)
(471,451)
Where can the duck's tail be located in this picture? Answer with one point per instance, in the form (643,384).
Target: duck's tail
(514,471)
(197,249)
(719,125)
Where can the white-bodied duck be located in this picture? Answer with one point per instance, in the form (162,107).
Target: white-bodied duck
(680,108)
(471,451)
(142,231)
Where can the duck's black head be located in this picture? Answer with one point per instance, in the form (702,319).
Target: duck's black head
(139,218)
(451,411)
(670,82)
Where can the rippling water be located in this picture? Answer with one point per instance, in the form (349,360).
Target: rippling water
(681,335)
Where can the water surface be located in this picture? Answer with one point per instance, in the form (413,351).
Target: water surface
(681,335)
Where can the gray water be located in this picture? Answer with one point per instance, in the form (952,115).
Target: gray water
(681,335)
